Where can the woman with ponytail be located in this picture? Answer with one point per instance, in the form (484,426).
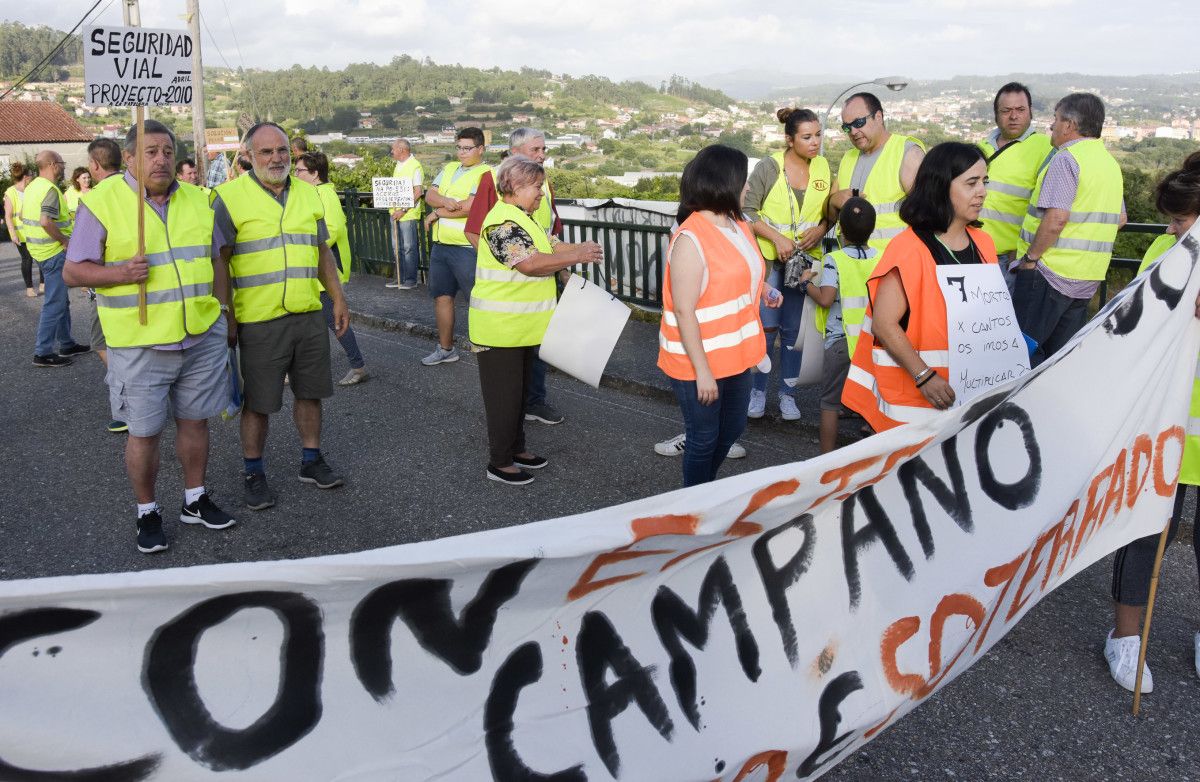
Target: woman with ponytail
(785,205)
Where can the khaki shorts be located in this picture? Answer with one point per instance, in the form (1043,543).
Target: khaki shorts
(833,374)
(295,345)
(146,387)
(98,342)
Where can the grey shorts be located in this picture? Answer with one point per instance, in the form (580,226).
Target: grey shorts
(295,345)
(833,374)
(148,386)
(98,342)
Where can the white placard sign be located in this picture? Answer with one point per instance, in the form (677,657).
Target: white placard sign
(762,627)
(986,345)
(584,330)
(392,192)
(136,66)
(810,341)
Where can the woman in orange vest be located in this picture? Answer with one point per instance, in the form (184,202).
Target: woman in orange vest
(711,335)
(900,368)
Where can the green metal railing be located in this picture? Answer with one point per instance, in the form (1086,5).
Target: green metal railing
(633,254)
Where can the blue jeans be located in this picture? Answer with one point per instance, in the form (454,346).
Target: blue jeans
(54,325)
(404,235)
(782,325)
(711,429)
(348,341)
(536,393)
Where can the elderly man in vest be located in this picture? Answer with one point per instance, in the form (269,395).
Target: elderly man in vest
(1015,154)
(1066,240)
(270,229)
(530,143)
(881,167)
(174,362)
(404,221)
(46,226)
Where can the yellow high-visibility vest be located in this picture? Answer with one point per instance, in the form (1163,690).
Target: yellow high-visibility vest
(780,210)
(1011,177)
(510,309)
(407,170)
(335,221)
(41,245)
(179,290)
(452,230)
(853,274)
(882,188)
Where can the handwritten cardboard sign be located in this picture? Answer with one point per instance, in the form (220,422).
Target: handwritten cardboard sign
(392,192)
(221,139)
(137,66)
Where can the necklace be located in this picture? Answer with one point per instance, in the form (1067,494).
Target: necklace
(970,246)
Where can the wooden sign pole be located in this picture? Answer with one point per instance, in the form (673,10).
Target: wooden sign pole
(1137,685)
(140,173)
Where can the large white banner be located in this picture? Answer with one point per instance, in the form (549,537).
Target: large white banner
(762,627)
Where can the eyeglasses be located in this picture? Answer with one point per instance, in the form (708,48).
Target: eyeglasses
(466,149)
(301,170)
(856,124)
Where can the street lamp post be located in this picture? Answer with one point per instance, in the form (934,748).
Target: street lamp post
(893,83)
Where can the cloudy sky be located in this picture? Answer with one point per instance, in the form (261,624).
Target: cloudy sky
(648,39)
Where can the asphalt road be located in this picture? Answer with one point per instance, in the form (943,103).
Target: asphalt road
(1040,706)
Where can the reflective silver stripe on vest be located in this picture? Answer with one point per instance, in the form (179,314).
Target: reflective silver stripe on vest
(155,297)
(38,223)
(1100,218)
(855,303)
(1007,189)
(273,242)
(1000,217)
(504,275)
(37,240)
(934,358)
(1193,427)
(271,278)
(887,233)
(727,340)
(715,312)
(866,325)
(887,207)
(174,254)
(1086,245)
(513,307)
(905,414)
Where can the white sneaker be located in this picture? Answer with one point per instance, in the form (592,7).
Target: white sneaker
(758,404)
(1122,656)
(671,447)
(1198,654)
(392,285)
(675,446)
(788,409)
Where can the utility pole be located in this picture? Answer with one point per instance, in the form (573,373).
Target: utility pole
(131,13)
(193,19)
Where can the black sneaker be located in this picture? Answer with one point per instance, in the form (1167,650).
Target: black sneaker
(518,478)
(205,511)
(75,350)
(544,413)
(51,360)
(150,537)
(531,463)
(320,473)
(256,494)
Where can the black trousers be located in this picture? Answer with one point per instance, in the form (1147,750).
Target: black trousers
(1134,564)
(504,380)
(1045,314)
(27,266)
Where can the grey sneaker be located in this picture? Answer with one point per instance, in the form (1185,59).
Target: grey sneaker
(406,286)
(544,413)
(440,356)
(255,493)
(320,473)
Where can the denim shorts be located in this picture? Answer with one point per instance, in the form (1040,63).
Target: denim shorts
(148,386)
(451,269)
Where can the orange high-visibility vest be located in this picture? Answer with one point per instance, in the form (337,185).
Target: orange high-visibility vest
(730,328)
(877,388)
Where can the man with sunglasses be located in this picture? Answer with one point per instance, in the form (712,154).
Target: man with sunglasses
(881,167)
(452,258)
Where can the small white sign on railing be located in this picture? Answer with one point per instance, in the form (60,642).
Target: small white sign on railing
(137,66)
(392,192)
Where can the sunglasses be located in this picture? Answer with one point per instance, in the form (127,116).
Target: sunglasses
(856,124)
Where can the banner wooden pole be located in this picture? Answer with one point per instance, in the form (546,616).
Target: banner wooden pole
(1158,558)
(140,174)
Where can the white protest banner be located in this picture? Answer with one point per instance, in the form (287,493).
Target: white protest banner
(777,620)
(221,139)
(584,330)
(986,345)
(392,192)
(136,66)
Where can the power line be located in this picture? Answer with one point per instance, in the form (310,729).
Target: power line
(213,40)
(53,51)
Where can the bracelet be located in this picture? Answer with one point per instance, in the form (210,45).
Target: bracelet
(923,375)
(927,379)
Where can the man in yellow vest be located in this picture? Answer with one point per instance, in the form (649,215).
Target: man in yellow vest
(1015,154)
(269,227)
(1066,239)
(404,221)
(881,167)
(174,364)
(46,227)
(452,259)
(529,143)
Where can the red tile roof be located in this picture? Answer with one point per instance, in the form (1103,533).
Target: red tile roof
(36,122)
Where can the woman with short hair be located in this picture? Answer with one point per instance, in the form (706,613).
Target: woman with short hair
(711,335)
(512,300)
